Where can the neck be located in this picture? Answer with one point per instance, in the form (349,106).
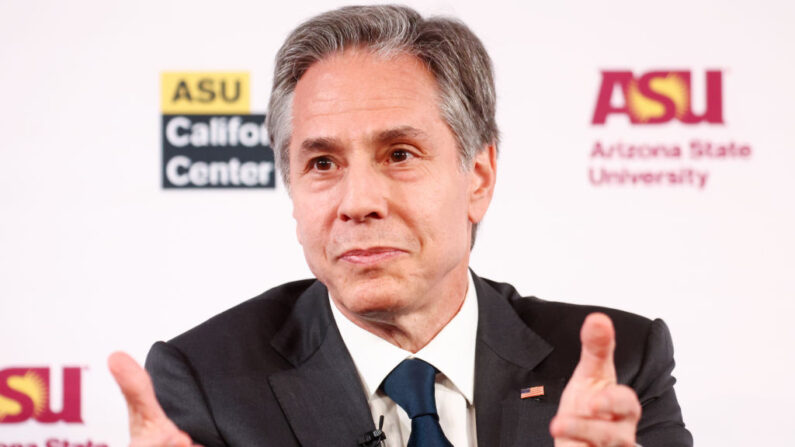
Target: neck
(412,329)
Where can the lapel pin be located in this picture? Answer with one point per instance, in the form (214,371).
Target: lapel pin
(533,391)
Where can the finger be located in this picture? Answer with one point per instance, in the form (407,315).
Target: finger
(136,386)
(179,439)
(616,402)
(593,432)
(598,343)
(569,443)
(164,438)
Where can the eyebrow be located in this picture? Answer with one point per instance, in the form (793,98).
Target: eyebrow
(320,144)
(327,144)
(398,133)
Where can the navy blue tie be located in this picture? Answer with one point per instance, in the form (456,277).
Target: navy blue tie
(410,385)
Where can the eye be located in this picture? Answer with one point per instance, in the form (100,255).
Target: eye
(321,164)
(399,155)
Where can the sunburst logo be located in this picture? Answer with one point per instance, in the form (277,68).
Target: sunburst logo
(25,394)
(658,97)
(672,87)
(31,385)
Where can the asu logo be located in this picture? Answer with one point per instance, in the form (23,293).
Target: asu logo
(658,97)
(204,93)
(210,137)
(25,394)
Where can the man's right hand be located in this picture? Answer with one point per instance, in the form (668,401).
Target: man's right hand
(149,425)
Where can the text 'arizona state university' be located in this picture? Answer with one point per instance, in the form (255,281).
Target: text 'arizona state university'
(210,138)
(649,157)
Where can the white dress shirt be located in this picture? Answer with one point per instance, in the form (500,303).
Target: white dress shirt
(452,352)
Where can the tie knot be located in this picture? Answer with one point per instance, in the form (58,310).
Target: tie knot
(411,385)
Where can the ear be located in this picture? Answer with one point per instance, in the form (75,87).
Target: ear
(482,180)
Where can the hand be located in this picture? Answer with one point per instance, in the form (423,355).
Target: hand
(594,410)
(149,425)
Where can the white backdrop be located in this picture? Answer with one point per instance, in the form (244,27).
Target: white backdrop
(95,256)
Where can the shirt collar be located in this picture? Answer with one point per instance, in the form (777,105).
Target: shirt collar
(452,351)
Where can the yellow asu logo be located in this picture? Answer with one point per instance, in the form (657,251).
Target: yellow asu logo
(204,93)
(25,394)
(658,97)
(210,137)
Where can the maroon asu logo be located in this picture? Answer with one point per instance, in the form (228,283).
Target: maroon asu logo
(25,394)
(658,97)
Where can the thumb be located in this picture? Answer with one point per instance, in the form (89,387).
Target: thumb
(137,388)
(598,343)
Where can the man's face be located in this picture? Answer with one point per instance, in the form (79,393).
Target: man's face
(382,206)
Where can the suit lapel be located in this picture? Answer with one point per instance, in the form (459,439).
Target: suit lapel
(506,355)
(324,403)
(322,397)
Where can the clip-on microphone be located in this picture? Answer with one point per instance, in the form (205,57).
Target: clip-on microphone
(374,438)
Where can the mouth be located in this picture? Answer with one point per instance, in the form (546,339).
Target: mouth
(370,256)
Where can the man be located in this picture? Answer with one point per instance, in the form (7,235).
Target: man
(383,125)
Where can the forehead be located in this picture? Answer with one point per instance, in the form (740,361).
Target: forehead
(361,92)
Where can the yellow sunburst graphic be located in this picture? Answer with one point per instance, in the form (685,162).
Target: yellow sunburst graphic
(30,384)
(671,86)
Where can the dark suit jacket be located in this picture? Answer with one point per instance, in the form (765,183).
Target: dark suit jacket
(274,371)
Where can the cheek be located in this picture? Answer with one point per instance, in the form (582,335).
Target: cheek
(308,229)
(315,213)
(447,210)
(309,221)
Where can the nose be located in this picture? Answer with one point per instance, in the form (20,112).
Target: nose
(364,194)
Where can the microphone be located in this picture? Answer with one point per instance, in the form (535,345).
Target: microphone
(374,438)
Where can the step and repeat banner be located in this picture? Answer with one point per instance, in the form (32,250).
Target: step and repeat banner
(646,163)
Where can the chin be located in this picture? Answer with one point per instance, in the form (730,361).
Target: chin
(373,298)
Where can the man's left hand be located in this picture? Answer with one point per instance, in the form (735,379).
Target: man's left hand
(595,411)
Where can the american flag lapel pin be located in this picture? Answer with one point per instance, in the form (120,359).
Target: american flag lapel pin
(533,391)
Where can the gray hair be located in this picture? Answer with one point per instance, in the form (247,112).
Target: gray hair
(450,50)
